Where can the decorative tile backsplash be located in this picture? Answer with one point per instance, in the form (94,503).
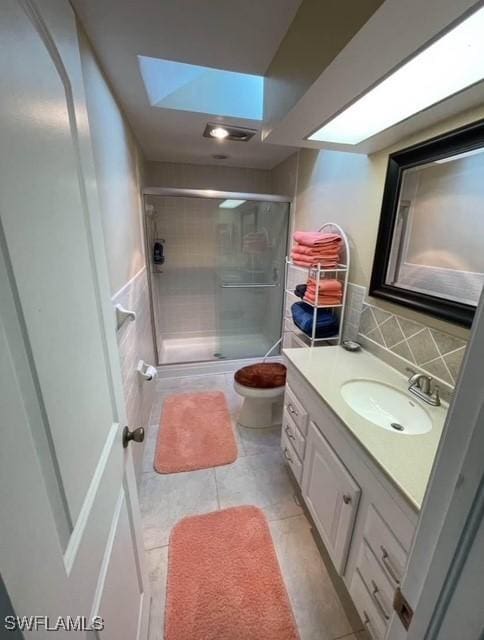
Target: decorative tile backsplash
(355,297)
(400,342)
(436,353)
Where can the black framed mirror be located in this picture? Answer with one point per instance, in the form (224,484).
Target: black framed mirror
(429,253)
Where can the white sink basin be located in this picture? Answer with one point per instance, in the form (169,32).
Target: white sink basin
(386,407)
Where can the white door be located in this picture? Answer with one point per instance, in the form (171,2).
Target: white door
(443,582)
(70,541)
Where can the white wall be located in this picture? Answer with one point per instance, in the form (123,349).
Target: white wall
(118,164)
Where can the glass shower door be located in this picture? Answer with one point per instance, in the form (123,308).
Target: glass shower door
(252,239)
(216,274)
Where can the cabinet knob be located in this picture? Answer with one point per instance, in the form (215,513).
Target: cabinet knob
(346,498)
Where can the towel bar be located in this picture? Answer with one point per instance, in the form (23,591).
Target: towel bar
(122,315)
(246,285)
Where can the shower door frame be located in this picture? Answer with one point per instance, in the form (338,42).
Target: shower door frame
(215,195)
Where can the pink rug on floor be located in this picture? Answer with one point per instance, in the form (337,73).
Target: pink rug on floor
(195,433)
(224,581)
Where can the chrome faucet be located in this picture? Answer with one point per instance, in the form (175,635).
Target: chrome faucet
(421,386)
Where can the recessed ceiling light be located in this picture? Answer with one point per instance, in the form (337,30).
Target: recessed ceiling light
(447,66)
(228,132)
(231,204)
(219,132)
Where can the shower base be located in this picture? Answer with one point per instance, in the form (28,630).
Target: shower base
(206,348)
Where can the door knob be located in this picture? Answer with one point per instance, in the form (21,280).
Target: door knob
(137,435)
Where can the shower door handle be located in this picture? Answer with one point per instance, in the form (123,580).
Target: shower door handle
(247,285)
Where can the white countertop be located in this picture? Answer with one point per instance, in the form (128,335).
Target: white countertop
(406,459)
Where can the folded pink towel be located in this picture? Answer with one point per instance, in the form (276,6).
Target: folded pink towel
(324,262)
(327,259)
(311,251)
(314,254)
(322,300)
(316,238)
(329,285)
(326,250)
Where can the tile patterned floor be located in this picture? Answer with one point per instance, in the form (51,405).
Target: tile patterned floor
(257,477)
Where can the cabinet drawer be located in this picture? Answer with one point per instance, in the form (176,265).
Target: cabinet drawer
(331,495)
(296,410)
(364,604)
(291,457)
(292,432)
(385,545)
(378,584)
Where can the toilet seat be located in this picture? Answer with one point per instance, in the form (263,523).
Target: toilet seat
(262,375)
(262,387)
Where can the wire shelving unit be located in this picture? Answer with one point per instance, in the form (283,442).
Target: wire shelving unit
(340,272)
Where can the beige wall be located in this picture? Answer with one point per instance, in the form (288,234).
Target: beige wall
(284,177)
(199,176)
(119,165)
(319,31)
(347,188)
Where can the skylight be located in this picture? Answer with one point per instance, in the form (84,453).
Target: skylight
(231,204)
(188,87)
(449,65)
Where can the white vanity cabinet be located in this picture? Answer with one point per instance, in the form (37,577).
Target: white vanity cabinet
(330,494)
(363,519)
(294,430)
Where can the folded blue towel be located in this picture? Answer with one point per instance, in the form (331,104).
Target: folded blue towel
(300,290)
(326,321)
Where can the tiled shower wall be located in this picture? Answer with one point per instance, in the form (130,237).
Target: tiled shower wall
(401,342)
(190,301)
(184,290)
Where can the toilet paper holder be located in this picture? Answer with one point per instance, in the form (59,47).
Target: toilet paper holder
(146,371)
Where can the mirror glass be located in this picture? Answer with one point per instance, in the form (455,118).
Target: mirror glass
(437,245)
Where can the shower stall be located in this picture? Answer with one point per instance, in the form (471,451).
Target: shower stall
(216,262)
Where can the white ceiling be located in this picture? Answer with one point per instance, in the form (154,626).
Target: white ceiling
(390,36)
(236,35)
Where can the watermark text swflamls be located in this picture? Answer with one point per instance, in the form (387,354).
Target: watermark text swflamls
(46,623)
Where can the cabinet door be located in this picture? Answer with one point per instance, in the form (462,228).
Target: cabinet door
(331,496)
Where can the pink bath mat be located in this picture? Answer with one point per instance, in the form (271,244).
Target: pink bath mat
(195,433)
(224,581)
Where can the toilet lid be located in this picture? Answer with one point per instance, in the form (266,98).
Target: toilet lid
(264,375)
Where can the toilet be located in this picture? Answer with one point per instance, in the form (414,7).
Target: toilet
(262,387)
